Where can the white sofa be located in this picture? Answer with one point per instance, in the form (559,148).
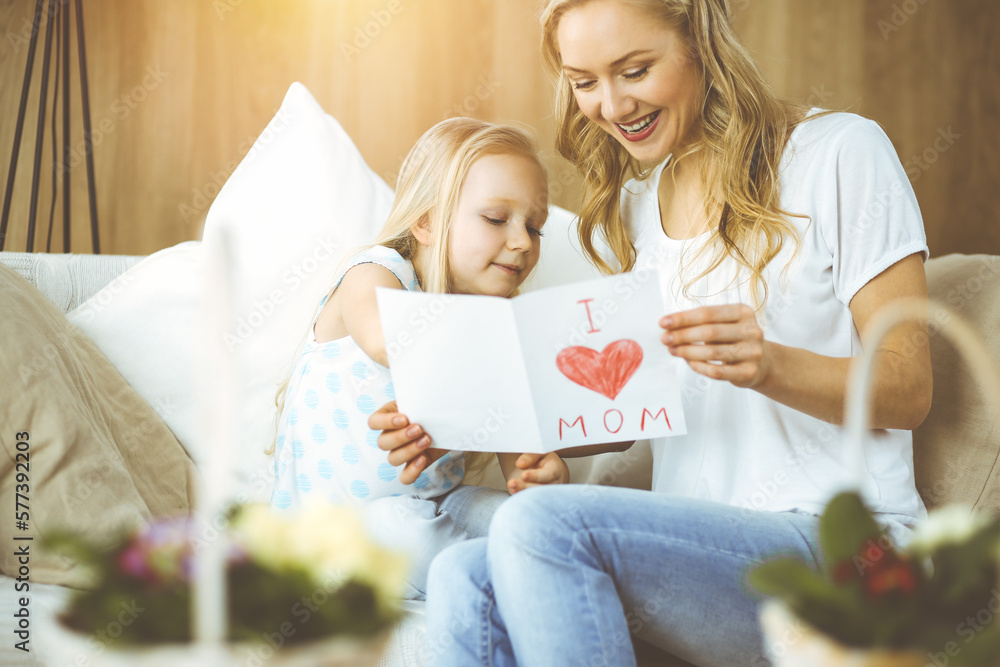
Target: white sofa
(957,449)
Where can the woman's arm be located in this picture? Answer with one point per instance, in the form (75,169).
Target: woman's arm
(810,382)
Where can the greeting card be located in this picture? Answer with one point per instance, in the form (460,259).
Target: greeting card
(573,365)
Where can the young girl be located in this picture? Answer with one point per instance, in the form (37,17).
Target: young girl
(467,218)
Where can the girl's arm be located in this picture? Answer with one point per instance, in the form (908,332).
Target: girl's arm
(406,443)
(810,382)
(522,471)
(353,311)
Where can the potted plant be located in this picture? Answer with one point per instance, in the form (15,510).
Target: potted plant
(935,601)
(310,588)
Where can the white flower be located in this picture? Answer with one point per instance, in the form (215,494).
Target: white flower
(952,524)
(328,540)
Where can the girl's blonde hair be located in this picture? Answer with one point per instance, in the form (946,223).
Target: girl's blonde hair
(430,181)
(427,191)
(742,130)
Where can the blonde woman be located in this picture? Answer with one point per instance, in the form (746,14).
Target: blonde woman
(467,217)
(779,231)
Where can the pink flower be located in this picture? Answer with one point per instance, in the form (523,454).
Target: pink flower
(162,553)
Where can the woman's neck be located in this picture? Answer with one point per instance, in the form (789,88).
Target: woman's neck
(682,196)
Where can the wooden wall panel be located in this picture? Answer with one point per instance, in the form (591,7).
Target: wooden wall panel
(386,69)
(927,71)
(184,87)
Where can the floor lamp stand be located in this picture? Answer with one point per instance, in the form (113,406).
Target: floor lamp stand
(59,16)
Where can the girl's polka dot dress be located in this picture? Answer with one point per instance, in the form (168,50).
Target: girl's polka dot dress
(324,447)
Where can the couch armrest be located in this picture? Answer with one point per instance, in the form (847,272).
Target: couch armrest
(956,451)
(68,280)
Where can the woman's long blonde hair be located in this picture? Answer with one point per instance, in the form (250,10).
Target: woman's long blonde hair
(427,191)
(743,128)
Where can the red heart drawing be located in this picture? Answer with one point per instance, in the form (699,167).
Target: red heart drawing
(605,372)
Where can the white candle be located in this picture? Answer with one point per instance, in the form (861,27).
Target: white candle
(217,387)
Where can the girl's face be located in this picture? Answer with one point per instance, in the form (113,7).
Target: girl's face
(631,75)
(495,235)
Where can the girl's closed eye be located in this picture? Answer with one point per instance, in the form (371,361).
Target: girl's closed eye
(534,231)
(499,221)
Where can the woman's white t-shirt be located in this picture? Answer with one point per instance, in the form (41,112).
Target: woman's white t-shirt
(743,449)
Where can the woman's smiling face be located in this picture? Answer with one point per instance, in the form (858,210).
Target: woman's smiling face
(633,75)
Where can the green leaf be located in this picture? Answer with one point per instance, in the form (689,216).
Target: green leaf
(964,571)
(839,611)
(72,546)
(846,529)
(981,649)
(789,578)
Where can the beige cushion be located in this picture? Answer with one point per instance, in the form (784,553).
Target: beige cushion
(100,460)
(956,449)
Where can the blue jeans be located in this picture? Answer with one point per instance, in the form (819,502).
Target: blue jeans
(423,528)
(567,574)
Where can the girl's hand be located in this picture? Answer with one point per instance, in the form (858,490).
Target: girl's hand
(406,443)
(537,470)
(720,342)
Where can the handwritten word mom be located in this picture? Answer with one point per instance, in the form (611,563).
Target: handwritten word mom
(614,420)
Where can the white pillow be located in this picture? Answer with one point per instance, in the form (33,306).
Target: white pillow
(562,261)
(300,200)
(145,321)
